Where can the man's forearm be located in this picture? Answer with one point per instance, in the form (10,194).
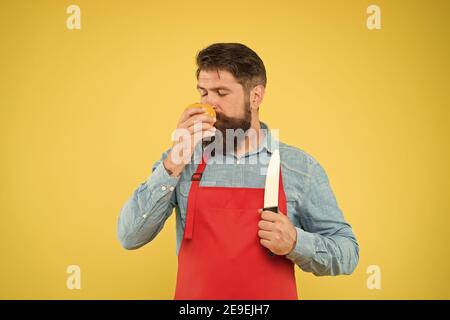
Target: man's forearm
(143,215)
(322,256)
(325,244)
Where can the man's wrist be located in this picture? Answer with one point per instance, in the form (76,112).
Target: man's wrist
(172,169)
(294,243)
(304,247)
(169,171)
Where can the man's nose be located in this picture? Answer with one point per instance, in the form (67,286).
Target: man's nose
(211,101)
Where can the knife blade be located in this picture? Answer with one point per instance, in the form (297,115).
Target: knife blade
(272,183)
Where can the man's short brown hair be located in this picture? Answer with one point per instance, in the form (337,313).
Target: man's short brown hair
(241,61)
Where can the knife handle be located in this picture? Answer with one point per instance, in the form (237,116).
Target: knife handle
(273,209)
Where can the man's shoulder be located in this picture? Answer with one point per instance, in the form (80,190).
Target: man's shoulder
(296,159)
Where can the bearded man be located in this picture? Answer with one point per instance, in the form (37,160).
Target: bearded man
(229,245)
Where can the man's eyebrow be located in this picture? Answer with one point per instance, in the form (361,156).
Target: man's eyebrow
(214,89)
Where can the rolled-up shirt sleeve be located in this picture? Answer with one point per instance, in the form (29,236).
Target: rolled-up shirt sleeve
(325,243)
(145,212)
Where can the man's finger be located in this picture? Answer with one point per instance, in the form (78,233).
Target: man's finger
(269,216)
(190,112)
(265,243)
(265,225)
(265,234)
(199,118)
(200,126)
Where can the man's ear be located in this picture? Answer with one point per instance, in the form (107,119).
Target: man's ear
(257,96)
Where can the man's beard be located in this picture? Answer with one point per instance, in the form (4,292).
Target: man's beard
(236,127)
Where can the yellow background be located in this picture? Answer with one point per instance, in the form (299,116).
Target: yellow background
(85,113)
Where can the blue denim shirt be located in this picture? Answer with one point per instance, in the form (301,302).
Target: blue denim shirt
(325,244)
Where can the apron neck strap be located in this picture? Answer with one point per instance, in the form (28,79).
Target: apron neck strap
(197,175)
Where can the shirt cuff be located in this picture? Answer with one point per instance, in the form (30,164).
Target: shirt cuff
(304,247)
(160,177)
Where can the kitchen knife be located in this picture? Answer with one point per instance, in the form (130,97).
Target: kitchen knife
(272,183)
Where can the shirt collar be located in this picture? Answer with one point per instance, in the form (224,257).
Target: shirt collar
(268,141)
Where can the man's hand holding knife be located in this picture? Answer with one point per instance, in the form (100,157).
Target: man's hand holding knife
(276,232)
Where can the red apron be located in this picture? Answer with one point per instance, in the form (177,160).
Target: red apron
(220,256)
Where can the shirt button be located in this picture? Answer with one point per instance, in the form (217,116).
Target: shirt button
(163,188)
(171,188)
(144,216)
